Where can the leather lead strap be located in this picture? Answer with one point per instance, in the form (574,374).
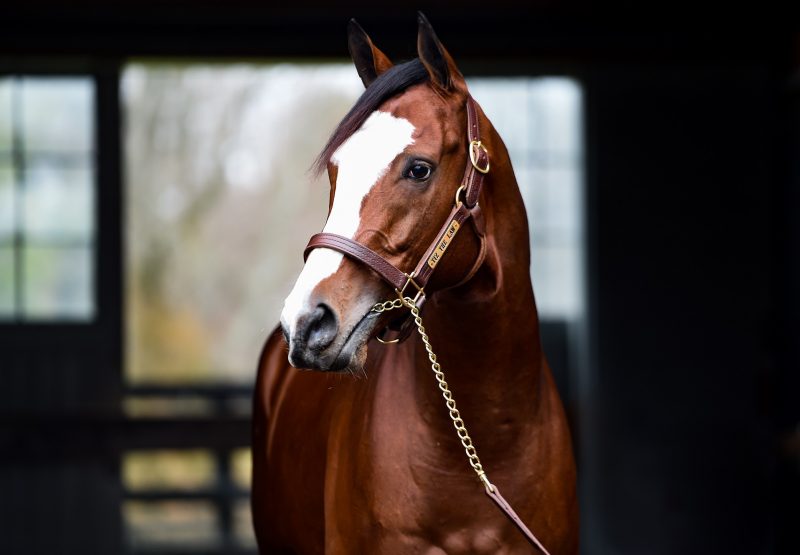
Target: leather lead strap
(500,501)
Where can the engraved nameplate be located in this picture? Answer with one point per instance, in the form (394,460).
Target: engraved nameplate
(444,242)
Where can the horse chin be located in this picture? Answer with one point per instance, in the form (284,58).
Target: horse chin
(354,364)
(353,355)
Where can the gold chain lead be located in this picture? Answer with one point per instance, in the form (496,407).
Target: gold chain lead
(455,416)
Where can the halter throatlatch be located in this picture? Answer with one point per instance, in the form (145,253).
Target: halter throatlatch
(410,289)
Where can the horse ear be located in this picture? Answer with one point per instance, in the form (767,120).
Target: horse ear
(434,56)
(369,61)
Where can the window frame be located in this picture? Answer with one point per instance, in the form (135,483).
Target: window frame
(106,243)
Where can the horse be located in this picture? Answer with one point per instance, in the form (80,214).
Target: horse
(353,449)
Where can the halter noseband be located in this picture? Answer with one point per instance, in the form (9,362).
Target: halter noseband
(470,189)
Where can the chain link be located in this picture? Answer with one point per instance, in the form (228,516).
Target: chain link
(388,305)
(450,402)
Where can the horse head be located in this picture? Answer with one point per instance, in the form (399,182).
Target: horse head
(395,164)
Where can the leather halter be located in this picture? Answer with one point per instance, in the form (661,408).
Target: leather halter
(470,189)
(477,166)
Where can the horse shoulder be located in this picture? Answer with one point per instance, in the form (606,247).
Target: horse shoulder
(291,413)
(272,371)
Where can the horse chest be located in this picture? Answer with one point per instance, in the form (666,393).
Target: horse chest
(402,500)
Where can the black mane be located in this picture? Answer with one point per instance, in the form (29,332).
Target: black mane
(388,84)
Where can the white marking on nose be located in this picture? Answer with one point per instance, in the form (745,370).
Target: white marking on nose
(361,161)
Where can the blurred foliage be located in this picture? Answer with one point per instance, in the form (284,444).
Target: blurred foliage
(219,205)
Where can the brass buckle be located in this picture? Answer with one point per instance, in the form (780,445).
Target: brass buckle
(401,292)
(473,156)
(486,483)
(458,194)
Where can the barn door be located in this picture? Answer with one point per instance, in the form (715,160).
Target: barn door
(60,331)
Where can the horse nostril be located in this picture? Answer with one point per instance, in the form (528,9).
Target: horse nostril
(322,328)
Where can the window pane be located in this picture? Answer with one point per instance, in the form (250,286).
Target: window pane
(6,283)
(241,468)
(184,406)
(166,469)
(47,194)
(58,202)
(539,120)
(5,115)
(57,114)
(57,283)
(181,524)
(505,101)
(555,105)
(557,272)
(551,196)
(7,201)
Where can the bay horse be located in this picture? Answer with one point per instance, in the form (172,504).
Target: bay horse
(360,456)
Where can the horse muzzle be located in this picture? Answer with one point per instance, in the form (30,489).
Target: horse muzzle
(318,339)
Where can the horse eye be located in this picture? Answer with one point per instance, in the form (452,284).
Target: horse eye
(418,171)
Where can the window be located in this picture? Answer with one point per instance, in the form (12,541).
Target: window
(540,121)
(47,189)
(219,206)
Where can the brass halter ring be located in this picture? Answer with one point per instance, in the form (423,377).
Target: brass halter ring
(387,341)
(400,301)
(401,293)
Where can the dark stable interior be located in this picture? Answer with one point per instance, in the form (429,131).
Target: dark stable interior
(687,432)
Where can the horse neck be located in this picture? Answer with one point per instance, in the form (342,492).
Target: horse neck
(486,332)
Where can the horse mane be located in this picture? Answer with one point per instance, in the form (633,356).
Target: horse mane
(388,84)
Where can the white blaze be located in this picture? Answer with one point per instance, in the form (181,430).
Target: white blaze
(361,161)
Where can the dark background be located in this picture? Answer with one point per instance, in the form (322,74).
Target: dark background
(685,400)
